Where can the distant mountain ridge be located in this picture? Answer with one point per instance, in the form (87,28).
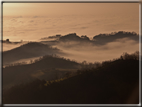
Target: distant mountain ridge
(73,37)
(37,49)
(9,42)
(29,50)
(100,39)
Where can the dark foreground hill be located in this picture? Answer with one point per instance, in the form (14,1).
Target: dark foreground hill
(47,67)
(114,82)
(29,50)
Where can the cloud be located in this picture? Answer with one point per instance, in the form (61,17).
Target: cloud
(32,21)
(89,52)
(93,53)
(90,26)
(84,27)
(7,46)
(35,16)
(18,17)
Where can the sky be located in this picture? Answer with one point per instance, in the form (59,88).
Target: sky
(45,9)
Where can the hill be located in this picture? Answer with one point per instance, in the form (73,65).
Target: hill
(102,39)
(29,50)
(73,37)
(114,82)
(47,67)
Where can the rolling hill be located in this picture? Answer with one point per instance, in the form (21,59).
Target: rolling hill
(114,82)
(47,67)
(29,50)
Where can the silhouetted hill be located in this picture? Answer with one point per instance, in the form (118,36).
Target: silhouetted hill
(73,37)
(9,42)
(47,68)
(29,50)
(69,38)
(56,37)
(102,39)
(114,82)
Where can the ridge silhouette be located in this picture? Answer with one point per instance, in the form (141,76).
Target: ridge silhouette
(113,82)
(29,50)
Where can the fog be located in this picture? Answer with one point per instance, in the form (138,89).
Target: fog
(94,53)
(29,28)
(84,19)
(79,51)
(9,46)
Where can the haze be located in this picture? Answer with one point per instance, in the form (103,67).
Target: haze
(31,21)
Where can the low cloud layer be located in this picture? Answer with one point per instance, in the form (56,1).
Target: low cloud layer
(34,28)
(93,53)
(90,51)
(9,46)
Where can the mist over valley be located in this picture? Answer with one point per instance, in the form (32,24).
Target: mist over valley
(79,48)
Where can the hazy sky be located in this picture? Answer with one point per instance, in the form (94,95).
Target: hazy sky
(45,9)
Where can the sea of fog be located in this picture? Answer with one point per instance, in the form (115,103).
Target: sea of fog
(95,53)
(34,27)
(88,52)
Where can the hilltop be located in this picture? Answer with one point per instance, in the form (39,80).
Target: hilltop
(113,82)
(29,50)
(100,39)
(36,49)
(46,67)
